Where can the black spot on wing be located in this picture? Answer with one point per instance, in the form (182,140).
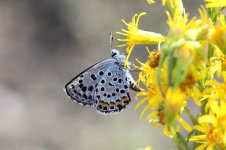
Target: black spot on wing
(78,91)
(93,76)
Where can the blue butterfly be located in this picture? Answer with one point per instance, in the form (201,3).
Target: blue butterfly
(104,85)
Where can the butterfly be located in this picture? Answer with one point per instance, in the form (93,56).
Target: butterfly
(104,85)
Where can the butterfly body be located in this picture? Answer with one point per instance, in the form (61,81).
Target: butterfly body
(104,85)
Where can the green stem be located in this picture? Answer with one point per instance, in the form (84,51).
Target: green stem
(159,73)
(203,105)
(179,140)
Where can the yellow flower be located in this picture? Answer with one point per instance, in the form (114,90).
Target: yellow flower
(220,112)
(182,47)
(154,99)
(152,96)
(218,34)
(136,36)
(154,58)
(212,128)
(189,86)
(157,118)
(174,104)
(217,64)
(210,138)
(149,69)
(215,3)
(147,74)
(159,115)
(214,91)
(193,30)
(175,6)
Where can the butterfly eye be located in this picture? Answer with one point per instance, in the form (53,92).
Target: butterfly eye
(113,54)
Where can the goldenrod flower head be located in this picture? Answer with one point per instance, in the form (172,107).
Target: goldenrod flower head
(215,67)
(212,127)
(153,98)
(153,59)
(218,34)
(158,115)
(177,24)
(211,137)
(174,103)
(219,110)
(214,91)
(175,6)
(188,83)
(189,65)
(156,118)
(195,29)
(215,3)
(182,46)
(148,70)
(147,74)
(223,62)
(217,64)
(136,36)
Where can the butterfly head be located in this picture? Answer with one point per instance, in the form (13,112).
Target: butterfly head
(120,58)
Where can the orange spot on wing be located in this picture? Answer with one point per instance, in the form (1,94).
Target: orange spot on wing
(119,102)
(125,99)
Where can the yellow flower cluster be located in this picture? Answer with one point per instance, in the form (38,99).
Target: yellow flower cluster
(188,65)
(212,127)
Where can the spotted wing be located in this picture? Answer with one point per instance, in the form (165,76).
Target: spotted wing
(111,94)
(82,87)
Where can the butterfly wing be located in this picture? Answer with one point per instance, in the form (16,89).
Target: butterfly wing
(82,87)
(111,93)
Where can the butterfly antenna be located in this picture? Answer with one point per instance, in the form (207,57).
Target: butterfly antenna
(111,39)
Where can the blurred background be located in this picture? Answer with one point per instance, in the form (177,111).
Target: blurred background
(43,44)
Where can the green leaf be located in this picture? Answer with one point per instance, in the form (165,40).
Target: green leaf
(183,142)
(180,71)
